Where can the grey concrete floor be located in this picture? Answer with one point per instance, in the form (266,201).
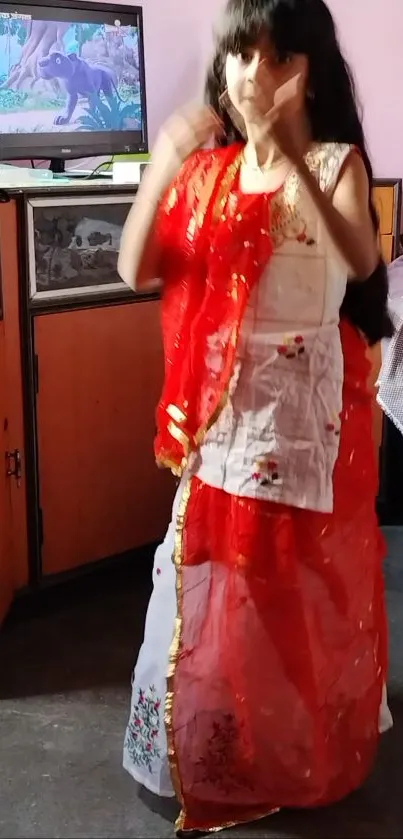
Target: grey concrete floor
(64,692)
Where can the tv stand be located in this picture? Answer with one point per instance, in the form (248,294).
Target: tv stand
(70,174)
(58,166)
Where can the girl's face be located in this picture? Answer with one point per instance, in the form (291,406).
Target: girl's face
(254,76)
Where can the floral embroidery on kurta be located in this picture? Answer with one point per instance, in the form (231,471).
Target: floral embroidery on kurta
(143,729)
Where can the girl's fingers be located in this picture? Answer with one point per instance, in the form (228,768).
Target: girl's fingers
(190,128)
(288,91)
(272,114)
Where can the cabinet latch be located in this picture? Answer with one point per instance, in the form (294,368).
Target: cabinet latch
(14,465)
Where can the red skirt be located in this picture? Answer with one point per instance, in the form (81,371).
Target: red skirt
(280,648)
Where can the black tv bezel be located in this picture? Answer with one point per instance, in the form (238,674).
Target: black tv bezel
(76,144)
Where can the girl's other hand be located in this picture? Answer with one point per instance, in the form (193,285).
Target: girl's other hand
(279,121)
(182,134)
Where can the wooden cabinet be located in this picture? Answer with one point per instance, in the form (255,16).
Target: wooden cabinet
(81,367)
(6,557)
(14,571)
(98,382)
(387,199)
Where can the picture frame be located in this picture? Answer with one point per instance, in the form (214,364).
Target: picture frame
(73,245)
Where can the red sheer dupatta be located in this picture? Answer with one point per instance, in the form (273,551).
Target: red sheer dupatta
(215,244)
(279,654)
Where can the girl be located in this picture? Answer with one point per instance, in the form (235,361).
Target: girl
(260,680)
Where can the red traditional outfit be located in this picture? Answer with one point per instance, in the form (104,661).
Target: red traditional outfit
(279,650)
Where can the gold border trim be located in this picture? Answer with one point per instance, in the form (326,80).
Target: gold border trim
(176,414)
(181,437)
(225,186)
(229,825)
(175,651)
(166,460)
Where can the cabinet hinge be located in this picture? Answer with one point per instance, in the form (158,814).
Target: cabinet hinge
(36,374)
(40,526)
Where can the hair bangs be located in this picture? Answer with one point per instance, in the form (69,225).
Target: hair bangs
(243,25)
(246,22)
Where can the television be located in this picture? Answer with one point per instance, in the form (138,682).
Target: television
(72,81)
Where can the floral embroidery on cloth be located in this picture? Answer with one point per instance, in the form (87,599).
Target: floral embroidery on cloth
(217,766)
(143,729)
(292,347)
(266,471)
(287,224)
(334,424)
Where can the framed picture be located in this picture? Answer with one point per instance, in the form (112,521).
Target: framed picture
(73,245)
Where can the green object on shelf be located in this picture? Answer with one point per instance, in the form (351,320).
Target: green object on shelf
(135,158)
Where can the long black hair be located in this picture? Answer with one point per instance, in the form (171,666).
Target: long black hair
(305,27)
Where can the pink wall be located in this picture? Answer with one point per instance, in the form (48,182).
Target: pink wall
(372,34)
(173,52)
(177,34)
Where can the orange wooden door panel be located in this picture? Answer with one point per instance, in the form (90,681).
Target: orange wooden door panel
(12,394)
(384,199)
(100,375)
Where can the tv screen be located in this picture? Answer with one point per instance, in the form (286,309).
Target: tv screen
(72,80)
